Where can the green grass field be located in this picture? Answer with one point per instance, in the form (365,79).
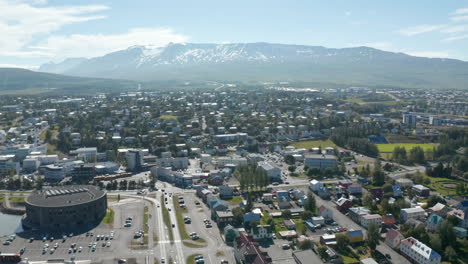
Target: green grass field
(109,218)
(168,117)
(167,220)
(313,144)
(386,148)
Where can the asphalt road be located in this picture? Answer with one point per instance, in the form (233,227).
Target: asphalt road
(345,221)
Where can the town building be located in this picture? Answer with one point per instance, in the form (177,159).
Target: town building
(369,219)
(248,251)
(409,119)
(412,213)
(320,161)
(421,190)
(65,208)
(393,238)
(262,232)
(419,253)
(273,172)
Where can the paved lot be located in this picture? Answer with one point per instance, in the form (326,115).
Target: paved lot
(118,246)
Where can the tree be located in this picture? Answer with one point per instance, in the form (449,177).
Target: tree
(39,184)
(304,245)
(292,168)
(238,215)
(306,215)
(453,220)
(447,235)
(434,199)
(322,251)
(434,241)
(289,159)
(287,214)
(373,236)
(378,176)
(342,241)
(367,200)
(450,254)
(310,203)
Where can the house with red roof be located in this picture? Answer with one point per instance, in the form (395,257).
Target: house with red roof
(343,204)
(246,250)
(393,238)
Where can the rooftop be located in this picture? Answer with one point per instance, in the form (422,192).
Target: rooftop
(65,196)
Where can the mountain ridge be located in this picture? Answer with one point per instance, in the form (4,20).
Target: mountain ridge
(263,61)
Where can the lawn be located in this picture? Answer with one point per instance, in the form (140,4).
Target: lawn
(167,219)
(386,148)
(235,200)
(313,144)
(145,220)
(191,258)
(17,199)
(109,218)
(439,185)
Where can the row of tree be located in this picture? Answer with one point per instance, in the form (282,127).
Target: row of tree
(251,177)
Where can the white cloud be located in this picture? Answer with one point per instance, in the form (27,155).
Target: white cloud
(460,11)
(460,37)
(455,29)
(459,18)
(78,45)
(430,54)
(411,31)
(23,21)
(29,67)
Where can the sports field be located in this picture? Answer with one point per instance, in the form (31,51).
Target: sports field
(313,144)
(385,148)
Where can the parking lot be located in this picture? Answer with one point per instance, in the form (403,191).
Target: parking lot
(104,242)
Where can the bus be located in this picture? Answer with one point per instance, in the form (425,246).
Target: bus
(10,258)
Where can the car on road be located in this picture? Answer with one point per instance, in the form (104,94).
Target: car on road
(173,225)
(388,256)
(285,246)
(275,183)
(121,261)
(163,260)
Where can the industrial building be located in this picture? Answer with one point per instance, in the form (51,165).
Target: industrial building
(65,208)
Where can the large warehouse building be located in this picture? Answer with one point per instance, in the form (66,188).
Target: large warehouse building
(66,207)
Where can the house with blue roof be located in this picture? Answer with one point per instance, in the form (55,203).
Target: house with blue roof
(250,217)
(433,222)
(396,190)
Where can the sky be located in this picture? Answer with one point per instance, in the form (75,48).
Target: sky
(34,32)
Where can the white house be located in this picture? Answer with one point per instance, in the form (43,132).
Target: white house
(418,252)
(318,220)
(393,238)
(273,171)
(412,213)
(325,212)
(366,220)
(262,232)
(315,185)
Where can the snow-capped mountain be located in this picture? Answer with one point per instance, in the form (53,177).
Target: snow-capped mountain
(265,61)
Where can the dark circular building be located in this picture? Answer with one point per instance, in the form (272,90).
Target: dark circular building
(65,207)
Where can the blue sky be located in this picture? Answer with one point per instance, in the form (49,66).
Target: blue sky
(37,31)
